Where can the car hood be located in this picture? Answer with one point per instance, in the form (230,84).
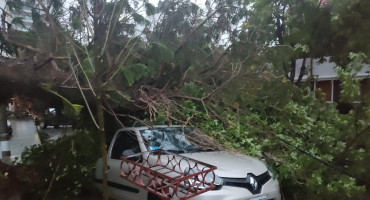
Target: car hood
(230,165)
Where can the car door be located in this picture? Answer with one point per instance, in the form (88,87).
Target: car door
(120,188)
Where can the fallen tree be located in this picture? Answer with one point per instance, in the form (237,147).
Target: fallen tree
(17,182)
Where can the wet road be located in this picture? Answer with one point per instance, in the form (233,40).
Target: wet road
(24,135)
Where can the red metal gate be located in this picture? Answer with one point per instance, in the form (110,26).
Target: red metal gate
(167,175)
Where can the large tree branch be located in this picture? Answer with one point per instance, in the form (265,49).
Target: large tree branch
(353,141)
(28,70)
(302,72)
(292,69)
(195,29)
(51,21)
(210,94)
(218,61)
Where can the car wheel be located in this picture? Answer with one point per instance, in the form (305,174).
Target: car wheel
(153,197)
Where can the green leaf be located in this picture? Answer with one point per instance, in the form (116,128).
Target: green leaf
(88,66)
(15,5)
(124,95)
(150,9)
(301,48)
(18,20)
(117,98)
(138,18)
(69,108)
(162,53)
(133,73)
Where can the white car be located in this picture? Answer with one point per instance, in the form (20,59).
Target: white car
(238,177)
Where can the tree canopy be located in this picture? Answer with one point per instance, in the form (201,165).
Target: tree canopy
(228,67)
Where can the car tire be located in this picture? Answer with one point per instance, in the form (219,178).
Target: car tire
(153,197)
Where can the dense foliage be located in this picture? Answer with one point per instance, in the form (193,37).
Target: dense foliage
(316,152)
(65,166)
(227,67)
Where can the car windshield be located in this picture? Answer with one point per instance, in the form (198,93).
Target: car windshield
(170,139)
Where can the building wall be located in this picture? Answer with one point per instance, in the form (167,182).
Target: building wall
(332,88)
(25,14)
(326,79)
(365,87)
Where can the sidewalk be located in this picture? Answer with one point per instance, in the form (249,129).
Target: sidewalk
(24,135)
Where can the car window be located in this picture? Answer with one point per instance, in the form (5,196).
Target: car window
(125,144)
(170,139)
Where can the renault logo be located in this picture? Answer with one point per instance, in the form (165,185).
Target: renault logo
(253,183)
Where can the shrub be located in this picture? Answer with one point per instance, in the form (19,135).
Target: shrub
(66,165)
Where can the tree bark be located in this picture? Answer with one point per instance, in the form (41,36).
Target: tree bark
(99,31)
(29,71)
(103,146)
(16,181)
(3,118)
(292,70)
(302,72)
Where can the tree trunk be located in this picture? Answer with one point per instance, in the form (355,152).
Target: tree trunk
(292,70)
(100,32)
(16,182)
(103,146)
(3,117)
(302,72)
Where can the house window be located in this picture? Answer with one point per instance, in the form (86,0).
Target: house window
(332,89)
(326,88)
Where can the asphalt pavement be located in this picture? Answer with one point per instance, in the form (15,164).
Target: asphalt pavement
(25,135)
